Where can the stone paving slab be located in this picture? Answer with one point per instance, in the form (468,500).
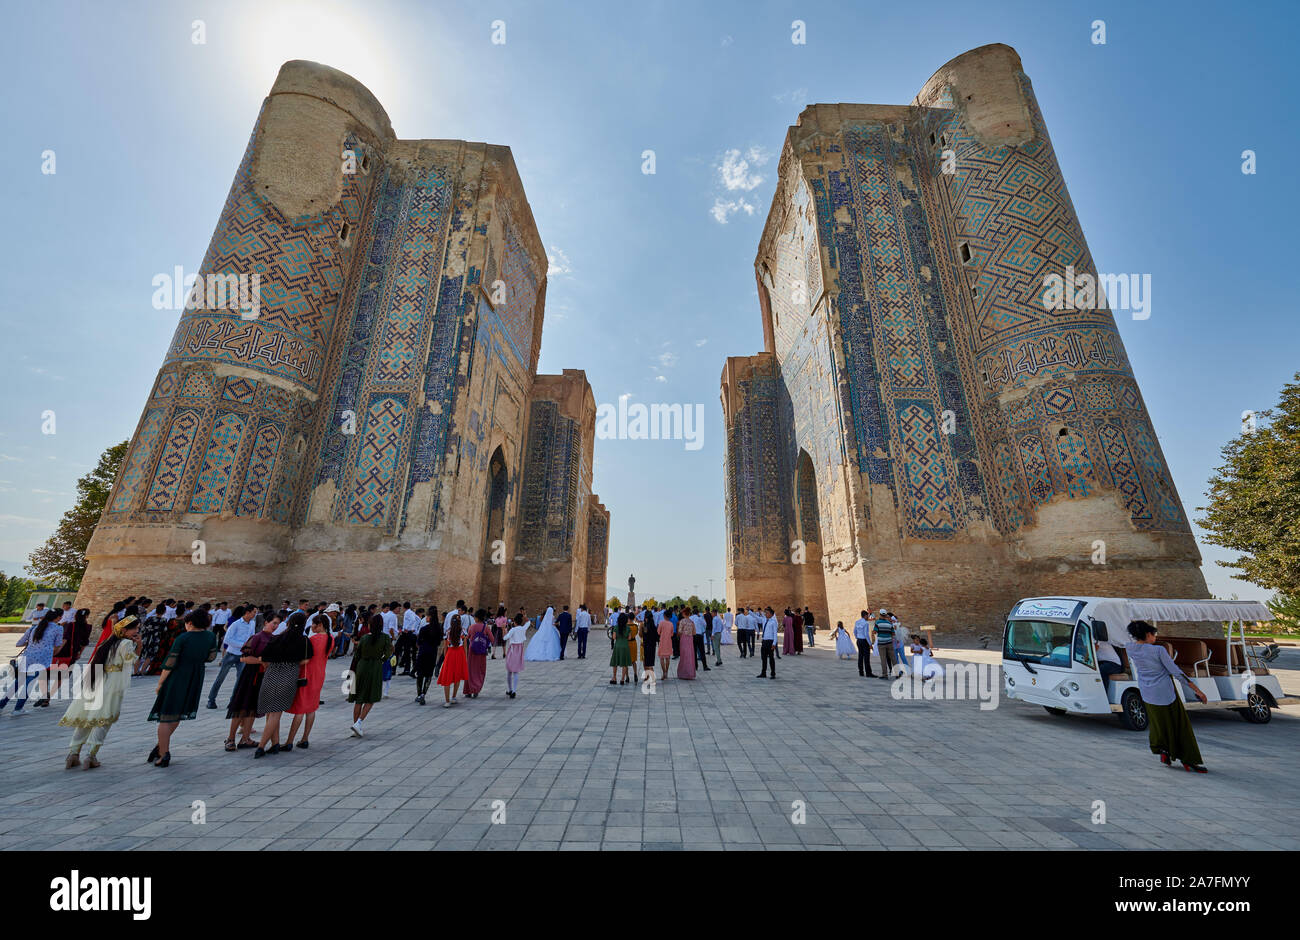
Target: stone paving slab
(721,763)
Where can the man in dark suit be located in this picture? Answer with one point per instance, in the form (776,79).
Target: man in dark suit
(564,624)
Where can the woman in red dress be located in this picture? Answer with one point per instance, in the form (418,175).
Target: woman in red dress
(307,699)
(454,670)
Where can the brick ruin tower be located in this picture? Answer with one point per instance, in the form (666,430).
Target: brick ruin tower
(920,428)
(378,431)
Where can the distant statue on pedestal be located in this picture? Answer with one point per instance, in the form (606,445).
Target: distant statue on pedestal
(631,590)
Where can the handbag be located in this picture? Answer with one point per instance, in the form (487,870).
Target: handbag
(480,645)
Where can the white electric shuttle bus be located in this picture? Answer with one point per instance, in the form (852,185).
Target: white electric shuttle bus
(1049,656)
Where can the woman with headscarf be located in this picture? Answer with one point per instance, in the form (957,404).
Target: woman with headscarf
(181,684)
(151,633)
(106,626)
(427,642)
(478,641)
(649,639)
(242,711)
(284,657)
(98,704)
(545,644)
(621,655)
(686,635)
(38,644)
(1170,731)
(372,654)
(307,699)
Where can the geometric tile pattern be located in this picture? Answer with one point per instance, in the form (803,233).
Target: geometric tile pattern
(926,473)
(380,436)
(551,483)
(218,462)
(133,471)
(261,466)
(172,460)
(1072,450)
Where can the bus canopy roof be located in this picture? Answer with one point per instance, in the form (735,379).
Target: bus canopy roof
(1118,612)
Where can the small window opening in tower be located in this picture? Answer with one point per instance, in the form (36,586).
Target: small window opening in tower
(344,232)
(965,253)
(1063,432)
(365,163)
(932,140)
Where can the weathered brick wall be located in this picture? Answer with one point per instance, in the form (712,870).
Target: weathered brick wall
(340,444)
(966,446)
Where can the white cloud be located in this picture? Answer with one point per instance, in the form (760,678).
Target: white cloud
(660,378)
(7,457)
(724,209)
(25,521)
(727,40)
(557,262)
(700,342)
(735,170)
(796,96)
(667,360)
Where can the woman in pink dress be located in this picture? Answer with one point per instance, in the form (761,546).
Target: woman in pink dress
(686,636)
(478,643)
(665,643)
(307,698)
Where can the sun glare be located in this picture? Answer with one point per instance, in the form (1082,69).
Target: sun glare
(333,34)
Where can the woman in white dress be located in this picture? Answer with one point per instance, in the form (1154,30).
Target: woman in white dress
(544,647)
(844,645)
(99,700)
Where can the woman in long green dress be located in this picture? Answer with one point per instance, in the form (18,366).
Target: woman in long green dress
(181,684)
(373,650)
(622,654)
(1170,730)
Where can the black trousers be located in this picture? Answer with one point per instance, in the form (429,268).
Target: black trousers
(405,650)
(742,642)
(677,646)
(582,643)
(769,656)
(753,646)
(564,642)
(864,658)
(700,657)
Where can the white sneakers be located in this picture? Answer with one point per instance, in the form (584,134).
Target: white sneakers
(355,728)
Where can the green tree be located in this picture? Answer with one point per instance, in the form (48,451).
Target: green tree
(1286,613)
(17,590)
(614,604)
(62,559)
(1255,498)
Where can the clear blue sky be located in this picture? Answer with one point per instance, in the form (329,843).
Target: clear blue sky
(148,128)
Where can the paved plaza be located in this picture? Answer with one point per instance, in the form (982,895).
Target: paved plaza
(723,762)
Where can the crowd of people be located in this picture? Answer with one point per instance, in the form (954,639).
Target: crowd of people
(273,659)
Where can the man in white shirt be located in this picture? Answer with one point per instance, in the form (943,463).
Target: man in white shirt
(237,634)
(454,616)
(581,626)
(68,616)
(769,644)
(862,633)
(38,614)
(390,621)
(406,642)
(717,638)
(701,656)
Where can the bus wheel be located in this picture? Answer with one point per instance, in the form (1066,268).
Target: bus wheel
(1257,710)
(1054,711)
(1133,711)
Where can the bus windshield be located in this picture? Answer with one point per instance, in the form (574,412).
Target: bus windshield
(1038,641)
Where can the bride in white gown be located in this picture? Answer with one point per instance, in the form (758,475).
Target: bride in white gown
(544,647)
